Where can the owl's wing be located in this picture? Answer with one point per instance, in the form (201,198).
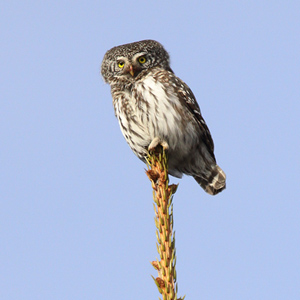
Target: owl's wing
(188,100)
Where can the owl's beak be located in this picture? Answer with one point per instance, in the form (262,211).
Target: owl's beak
(131,71)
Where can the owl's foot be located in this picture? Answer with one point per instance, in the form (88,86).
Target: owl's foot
(158,141)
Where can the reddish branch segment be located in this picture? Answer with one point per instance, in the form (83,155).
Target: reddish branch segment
(162,195)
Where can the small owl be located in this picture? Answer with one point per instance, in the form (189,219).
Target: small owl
(153,106)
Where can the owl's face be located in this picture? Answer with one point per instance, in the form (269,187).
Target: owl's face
(129,61)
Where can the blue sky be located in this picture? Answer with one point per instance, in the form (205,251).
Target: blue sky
(76,216)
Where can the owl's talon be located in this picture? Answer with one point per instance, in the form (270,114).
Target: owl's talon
(165,145)
(158,141)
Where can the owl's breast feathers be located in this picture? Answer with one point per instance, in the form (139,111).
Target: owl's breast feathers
(167,107)
(159,108)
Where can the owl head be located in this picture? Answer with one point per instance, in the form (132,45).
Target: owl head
(129,61)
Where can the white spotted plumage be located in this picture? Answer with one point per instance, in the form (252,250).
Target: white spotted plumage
(152,104)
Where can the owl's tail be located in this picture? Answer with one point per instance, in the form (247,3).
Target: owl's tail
(214,183)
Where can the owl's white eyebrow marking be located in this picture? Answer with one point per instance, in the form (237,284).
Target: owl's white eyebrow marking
(122,58)
(138,55)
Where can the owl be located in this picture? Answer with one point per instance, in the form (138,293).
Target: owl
(153,106)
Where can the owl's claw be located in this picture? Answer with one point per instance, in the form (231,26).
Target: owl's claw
(158,141)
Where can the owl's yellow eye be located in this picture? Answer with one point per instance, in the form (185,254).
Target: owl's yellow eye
(142,59)
(121,64)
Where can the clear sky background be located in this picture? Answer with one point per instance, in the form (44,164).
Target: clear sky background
(76,214)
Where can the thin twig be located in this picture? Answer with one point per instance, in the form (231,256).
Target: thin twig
(163,207)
